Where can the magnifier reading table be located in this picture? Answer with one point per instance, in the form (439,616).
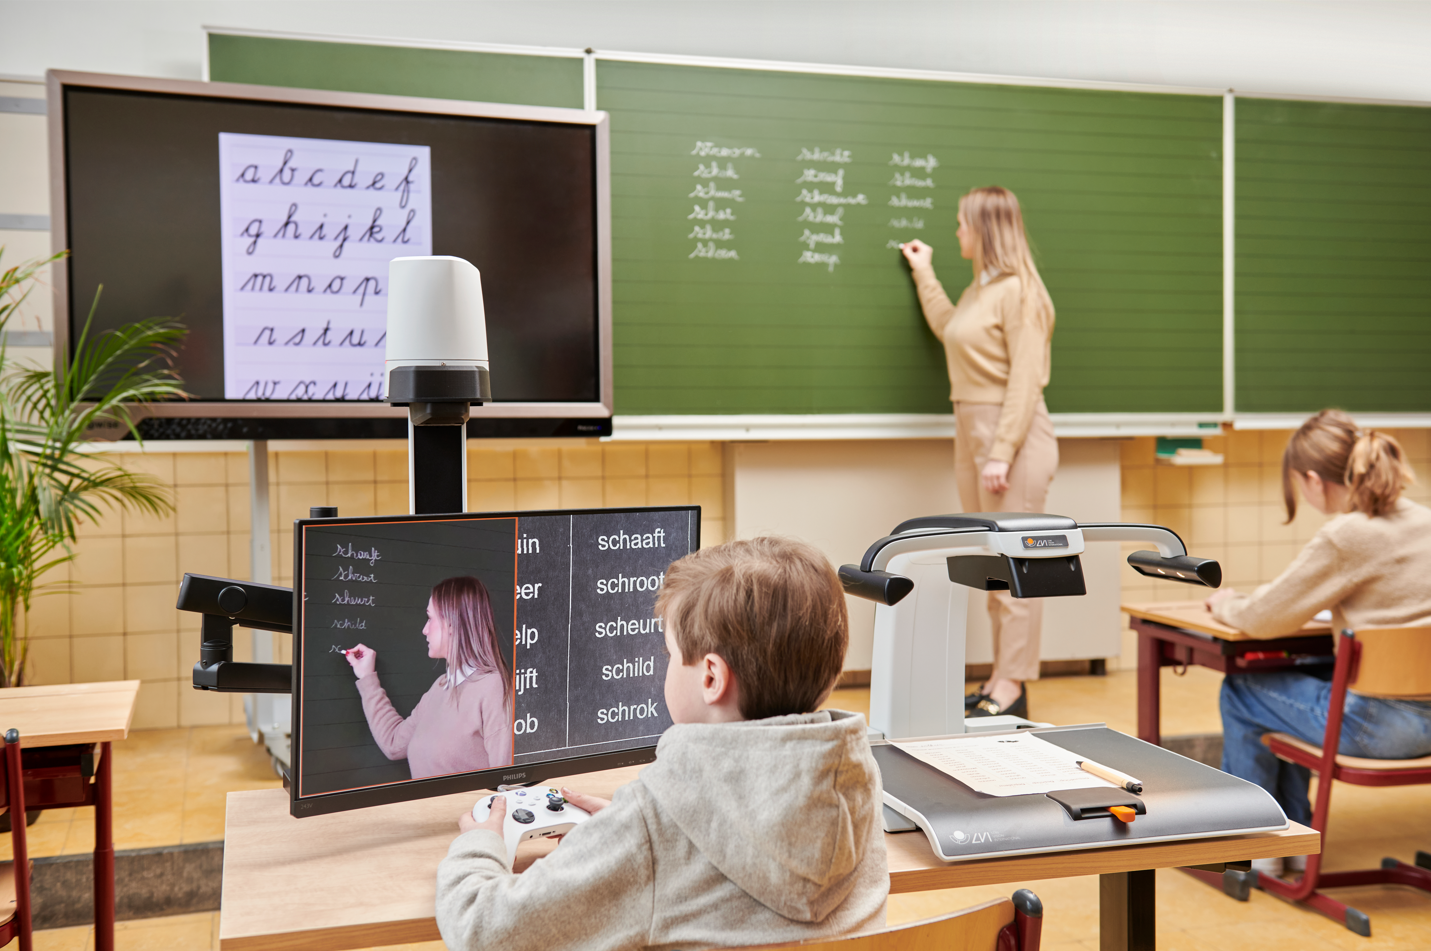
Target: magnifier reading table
(369,877)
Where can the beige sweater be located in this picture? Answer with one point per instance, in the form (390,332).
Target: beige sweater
(449,731)
(740,833)
(998,351)
(1371,572)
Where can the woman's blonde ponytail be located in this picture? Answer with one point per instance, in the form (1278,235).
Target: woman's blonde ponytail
(1376,473)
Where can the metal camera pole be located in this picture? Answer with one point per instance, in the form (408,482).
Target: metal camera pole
(437,368)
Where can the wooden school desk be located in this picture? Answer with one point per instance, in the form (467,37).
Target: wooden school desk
(74,714)
(369,877)
(1179,633)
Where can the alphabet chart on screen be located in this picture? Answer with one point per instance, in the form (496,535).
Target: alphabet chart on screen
(309,226)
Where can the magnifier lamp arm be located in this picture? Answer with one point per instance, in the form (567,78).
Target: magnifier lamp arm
(1169,545)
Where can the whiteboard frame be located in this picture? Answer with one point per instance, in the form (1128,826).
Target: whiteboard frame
(601,408)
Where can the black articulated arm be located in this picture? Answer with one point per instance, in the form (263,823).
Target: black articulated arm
(226,604)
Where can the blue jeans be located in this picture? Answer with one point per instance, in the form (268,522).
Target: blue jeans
(1296,703)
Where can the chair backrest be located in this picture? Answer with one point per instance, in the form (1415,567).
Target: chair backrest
(1395,662)
(973,929)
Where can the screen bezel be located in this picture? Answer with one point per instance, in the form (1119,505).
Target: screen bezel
(516,775)
(58,80)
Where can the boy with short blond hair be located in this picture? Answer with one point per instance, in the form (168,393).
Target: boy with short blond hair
(758,823)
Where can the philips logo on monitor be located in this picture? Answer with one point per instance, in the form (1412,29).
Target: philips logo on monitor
(1045,541)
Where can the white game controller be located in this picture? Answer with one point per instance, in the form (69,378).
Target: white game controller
(536,812)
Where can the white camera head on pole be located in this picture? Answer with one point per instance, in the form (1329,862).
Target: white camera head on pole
(436,362)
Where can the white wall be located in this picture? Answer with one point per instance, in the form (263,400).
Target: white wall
(1368,49)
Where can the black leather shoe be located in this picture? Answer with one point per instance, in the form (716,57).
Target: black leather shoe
(971,700)
(986,707)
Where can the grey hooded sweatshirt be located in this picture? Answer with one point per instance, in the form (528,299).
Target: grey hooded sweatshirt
(740,833)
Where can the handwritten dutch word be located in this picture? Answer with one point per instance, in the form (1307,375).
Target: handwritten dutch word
(346,598)
(812,257)
(902,179)
(813,238)
(820,155)
(836,178)
(821,216)
(906,222)
(371,555)
(813,196)
(713,170)
(350,624)
(707,233)
(704,149)
(349,573)
(709,190)
(708,249)
(711,213)
(928,162)
(904,201)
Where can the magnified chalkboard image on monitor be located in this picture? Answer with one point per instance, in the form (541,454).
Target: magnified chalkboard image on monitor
(436,654)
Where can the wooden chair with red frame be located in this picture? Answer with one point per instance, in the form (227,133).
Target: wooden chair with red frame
(998,925)
(15,874)
(1391,663)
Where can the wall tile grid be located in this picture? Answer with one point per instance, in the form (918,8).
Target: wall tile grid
(119,622)
(1233,512)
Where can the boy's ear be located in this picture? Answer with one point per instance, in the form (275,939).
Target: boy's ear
(717,680)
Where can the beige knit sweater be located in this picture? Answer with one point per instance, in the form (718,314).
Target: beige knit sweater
(998,351)
(1371,572)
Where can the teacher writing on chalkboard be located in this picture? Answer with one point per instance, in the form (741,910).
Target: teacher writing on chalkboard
(464,721)
(997,341)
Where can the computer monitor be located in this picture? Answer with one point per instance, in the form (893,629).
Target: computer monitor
(496,648)
(264,219)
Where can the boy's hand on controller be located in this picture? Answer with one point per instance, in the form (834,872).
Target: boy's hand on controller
(363,659)
(591,804)
(496,816)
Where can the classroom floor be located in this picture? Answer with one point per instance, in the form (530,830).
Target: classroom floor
(170,787)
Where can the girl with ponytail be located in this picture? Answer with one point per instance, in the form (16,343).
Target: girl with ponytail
(1370,565)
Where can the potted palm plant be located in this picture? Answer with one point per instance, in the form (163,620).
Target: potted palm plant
(50,481)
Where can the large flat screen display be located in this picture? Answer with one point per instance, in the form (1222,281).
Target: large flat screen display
(436,654)
(264,219)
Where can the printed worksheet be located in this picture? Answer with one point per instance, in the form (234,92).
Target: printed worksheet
(309,226)
(1012,765)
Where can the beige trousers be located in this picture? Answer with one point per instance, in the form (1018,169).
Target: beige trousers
(1016,623)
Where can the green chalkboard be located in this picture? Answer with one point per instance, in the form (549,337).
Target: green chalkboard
(729,298)
(397,70)
(1333,245)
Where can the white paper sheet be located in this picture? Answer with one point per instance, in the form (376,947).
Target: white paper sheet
(309,226)
(1019,764)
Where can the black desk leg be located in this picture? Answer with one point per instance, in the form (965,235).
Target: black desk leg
(1126,916)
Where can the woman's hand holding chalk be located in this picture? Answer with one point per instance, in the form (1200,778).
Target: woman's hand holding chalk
(363,659)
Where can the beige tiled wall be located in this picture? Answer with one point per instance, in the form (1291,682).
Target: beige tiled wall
(1233,512)
(120,622)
